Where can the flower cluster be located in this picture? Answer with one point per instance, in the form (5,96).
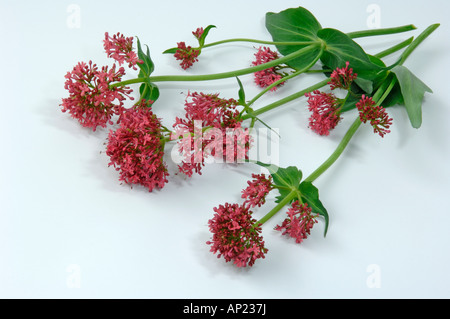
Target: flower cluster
(136,148)
(299,223)
(268,76)
(257,190)
(92,100)
(120,48)
(375,114)
(326,111)
(325,108)
(236,235)
(198,33)
(186,54)
(342,78)
(211,126)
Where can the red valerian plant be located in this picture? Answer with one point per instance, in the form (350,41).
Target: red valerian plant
(221,128)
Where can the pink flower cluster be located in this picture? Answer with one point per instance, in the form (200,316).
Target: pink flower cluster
(236,235)
(342,77)
(120,48)
(92,101)
(198,33)
(325,108)
(299,223)
(257,190)
(136,150)
(187,55)
(211,126)
(268,76)
(375,114)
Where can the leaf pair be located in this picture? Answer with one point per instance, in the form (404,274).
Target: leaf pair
(288,180)
(298,25)
(148,91)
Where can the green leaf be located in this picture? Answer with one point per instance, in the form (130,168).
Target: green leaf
(285,179)
(395,97)
(147,67)
(294,25)
(310,195)
(340,48)
(170,51)
(201,41)
(241,93)
(149,91)
(413,91)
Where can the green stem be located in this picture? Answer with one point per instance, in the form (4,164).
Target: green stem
(224,75)
(340,148)
(418,41)
(353,35)
(255,41)
(395,48)
(277,208)
(286,99)
(382,31)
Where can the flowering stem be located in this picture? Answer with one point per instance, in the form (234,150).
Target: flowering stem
(294,193)
(378,97)
(320,84)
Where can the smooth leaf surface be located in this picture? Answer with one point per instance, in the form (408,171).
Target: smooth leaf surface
(149,91)
(294,25)
(201,41)
(310,195)
(413,91)
(340,48)
(147,67)
(241,93)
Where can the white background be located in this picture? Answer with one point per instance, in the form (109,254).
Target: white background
(68,229)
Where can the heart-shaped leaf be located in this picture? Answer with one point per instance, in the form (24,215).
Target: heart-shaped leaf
(294,25)
(340,48)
